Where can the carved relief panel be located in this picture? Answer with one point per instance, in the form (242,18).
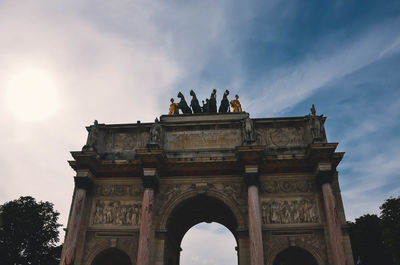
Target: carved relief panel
(127,141)
(289,211)
(185,140)
(281,137)
(116,213)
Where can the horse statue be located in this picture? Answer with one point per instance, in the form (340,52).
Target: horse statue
(212,107)
(224,106)
(183,106)
(195,103)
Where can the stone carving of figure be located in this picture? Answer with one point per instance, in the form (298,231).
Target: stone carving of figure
(173,108)
(235,104)
(183,106)
(213,102)
(195,103)
(135,215)
(98,217)
(224,106)
(109,217)
(274,212)
(128,217)
(265,213)
(249,135)
(92,139)
(155,135)
(317,126)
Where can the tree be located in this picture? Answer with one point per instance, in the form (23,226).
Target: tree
(367,241)
(390,215)
(29,233)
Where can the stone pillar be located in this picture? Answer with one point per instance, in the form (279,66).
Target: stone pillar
(82,184)
(334,224)
(255,224)
(146,233)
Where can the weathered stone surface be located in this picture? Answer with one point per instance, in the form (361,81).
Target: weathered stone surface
(259,182)
(197,140)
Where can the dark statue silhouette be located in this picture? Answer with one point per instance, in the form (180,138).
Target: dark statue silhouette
(224,106)
(212,107)
(209,104)
(195,103)
(183,106)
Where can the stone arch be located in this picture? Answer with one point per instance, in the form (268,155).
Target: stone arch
(174,202)
(294,255)
(192,207)
(279,248)
(102,251)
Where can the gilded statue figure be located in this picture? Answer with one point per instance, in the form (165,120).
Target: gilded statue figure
(173,108)
(235,104)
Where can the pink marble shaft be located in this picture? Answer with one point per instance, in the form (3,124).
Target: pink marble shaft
(145,233)
(256,246)
(69,249)
(334,226)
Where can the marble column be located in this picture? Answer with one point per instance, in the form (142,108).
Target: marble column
(255,224)
(146,233)
(82,184)
(334,224)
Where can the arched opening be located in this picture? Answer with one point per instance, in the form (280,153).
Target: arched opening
(295,256)
(112,256)
(195,210)
(208,244)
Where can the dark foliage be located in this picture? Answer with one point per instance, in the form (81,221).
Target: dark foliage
(367,241)
(376,240)
(390,216)
(29,233)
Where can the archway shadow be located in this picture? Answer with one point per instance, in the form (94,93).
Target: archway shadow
(295,256)
(195,210)
(111,256)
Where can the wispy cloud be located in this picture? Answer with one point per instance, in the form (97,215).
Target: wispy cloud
(294,84)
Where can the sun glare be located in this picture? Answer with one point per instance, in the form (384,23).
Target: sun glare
(31,94)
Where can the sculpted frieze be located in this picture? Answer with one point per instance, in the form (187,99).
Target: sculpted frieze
(114,212)
(286,186)
(129,141)
(289,211)
(202,139)
(281,137)
(117,190)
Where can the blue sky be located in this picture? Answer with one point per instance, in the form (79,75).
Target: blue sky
(121,61)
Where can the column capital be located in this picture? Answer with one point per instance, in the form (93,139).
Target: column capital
(324,173)
(150,178)
(83,180)
(325,176)
(251,176)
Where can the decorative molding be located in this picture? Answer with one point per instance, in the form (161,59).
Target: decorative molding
(119,190)
(287,186)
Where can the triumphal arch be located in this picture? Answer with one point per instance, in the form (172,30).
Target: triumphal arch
(271,181)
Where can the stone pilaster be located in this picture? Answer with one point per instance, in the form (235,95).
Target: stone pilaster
(146,233)
(255,225)
(83,184)
(334,225)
